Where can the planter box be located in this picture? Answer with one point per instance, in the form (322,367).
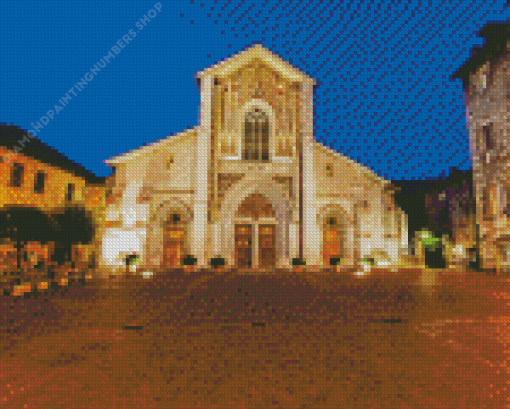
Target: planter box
(298,262)
(217,262)
(334,261)
(189,261)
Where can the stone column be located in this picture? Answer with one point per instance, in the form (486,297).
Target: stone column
(311,234)
(129,207)
(350,245)
(255,245)
(489,230)
(404,233)
(293,241)
(154,247)
(202,172)
(217,239)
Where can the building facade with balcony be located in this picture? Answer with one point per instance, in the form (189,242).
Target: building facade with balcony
(486,82)
(249,184)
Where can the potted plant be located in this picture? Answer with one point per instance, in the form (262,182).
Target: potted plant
(367,263)
(189,261)
(131,261)
(335,261)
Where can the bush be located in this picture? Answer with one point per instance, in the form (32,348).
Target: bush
(217,262)
(132,259)
(368,260)
(298,262)
(334,261)
(189,260)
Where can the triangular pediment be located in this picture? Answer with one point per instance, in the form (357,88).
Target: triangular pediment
(260,53)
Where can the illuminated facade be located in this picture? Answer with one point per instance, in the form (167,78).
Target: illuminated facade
(249,184)
(34,175)
(486,80)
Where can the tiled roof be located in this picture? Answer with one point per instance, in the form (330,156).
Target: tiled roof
(10,136)
(496,36)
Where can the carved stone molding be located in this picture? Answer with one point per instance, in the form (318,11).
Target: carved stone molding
(225,182)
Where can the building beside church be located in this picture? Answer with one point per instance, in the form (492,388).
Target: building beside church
(249,183)
(486,82)
(36,177)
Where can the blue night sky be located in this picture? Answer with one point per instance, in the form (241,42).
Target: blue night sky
(384,96)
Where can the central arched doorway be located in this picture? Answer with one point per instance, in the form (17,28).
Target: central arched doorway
(255,233)
(174,240)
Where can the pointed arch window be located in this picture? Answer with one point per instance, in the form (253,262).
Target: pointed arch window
(488,137)
(256,136)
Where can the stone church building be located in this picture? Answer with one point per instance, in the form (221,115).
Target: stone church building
(249,183)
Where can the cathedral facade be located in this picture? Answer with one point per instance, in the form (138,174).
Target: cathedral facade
(249,184)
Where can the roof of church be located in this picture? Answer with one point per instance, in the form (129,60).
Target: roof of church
(256,51)
(367,171)
(496,36)
(10,137)
(145,149)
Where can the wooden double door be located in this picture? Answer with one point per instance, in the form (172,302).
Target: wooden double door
(264,235)
(174,238)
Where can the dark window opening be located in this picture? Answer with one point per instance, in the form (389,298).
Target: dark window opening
(39,182)
(17,175)
(488,137)
(70,192)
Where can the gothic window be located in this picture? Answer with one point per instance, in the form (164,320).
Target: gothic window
(485,201)
(488,204)
(39,182)
(504,202)
(488,137)
(256,136)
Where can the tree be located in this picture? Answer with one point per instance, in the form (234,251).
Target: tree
(23,224)
(74,226)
